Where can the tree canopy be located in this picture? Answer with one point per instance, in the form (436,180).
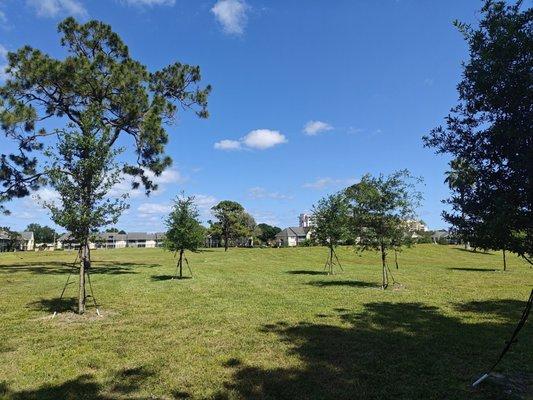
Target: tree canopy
(380,209)
(331,225)
(232,221)
(98,96)
(489,132)
(184,231)
(267,232)
(42,234)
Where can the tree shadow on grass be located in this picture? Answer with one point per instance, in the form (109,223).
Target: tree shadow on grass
(306,272)
(158,278)
(122,385)
(471,251)
(98,267)
(387,351)
(56,304)
(472,269)
(348,283)
(508,309)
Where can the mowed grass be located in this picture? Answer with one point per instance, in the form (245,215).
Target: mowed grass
(263,324)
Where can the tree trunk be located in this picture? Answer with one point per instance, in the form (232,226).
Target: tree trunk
(331,260)
(504,260)
(180,263)
(396,258)
(385,281)
(226,242)
(85,261)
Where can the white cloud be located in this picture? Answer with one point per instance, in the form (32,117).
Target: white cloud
(262,193)
(3,17)
(150,209)
(167,177)
(259,139)
(231,14)
(227,144)
(149,2)
(313,128)
(205,202)
(322,183)
(52,8)
(263,139)
(3,52)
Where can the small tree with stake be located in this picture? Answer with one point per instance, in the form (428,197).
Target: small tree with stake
(184,231)
(379,208)
(331,217)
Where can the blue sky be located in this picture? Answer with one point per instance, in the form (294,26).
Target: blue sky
(307,95)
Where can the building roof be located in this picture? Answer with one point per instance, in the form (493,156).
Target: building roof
(294,231)
(120,236)
(27,235)
(440,234)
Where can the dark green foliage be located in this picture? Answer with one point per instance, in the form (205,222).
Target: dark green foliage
(331,225)
(98,89)
(489,133)
(267,233)
(232,222)
(42,234)
(98,94)
(184,231)
(379,211)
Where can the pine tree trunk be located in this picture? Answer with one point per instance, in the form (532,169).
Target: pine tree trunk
(225,242)
(396,258)
(504,260)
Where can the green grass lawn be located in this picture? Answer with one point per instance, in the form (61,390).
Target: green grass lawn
(264,323)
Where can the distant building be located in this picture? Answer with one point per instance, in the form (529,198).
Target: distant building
(416,226)
(109,240)
(306,220)
(26,241)
(293,236)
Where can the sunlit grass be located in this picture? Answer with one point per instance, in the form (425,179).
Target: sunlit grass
(261,323)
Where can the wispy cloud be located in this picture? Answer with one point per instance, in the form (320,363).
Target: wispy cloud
(3,65)
(52,8)
(228,144)
(259,139)
(168,177)
(262,193)
(323,183)
(313,128)
(149,2)
(231,14)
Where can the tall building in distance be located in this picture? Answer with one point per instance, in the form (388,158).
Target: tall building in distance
(306,220)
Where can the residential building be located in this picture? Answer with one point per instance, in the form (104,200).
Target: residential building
(306,220)
(293,236)
(27,241)
(110,240)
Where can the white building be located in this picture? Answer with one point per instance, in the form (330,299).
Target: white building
(111,240)
(306,220)
(293,236)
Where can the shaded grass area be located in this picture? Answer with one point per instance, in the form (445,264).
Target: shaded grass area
(263,324)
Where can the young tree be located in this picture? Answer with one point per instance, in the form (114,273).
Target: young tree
(231,220)
(42,234)
(379,208)
(267,233)
(331,226)
(184,231)
(490,130)
(100,95)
